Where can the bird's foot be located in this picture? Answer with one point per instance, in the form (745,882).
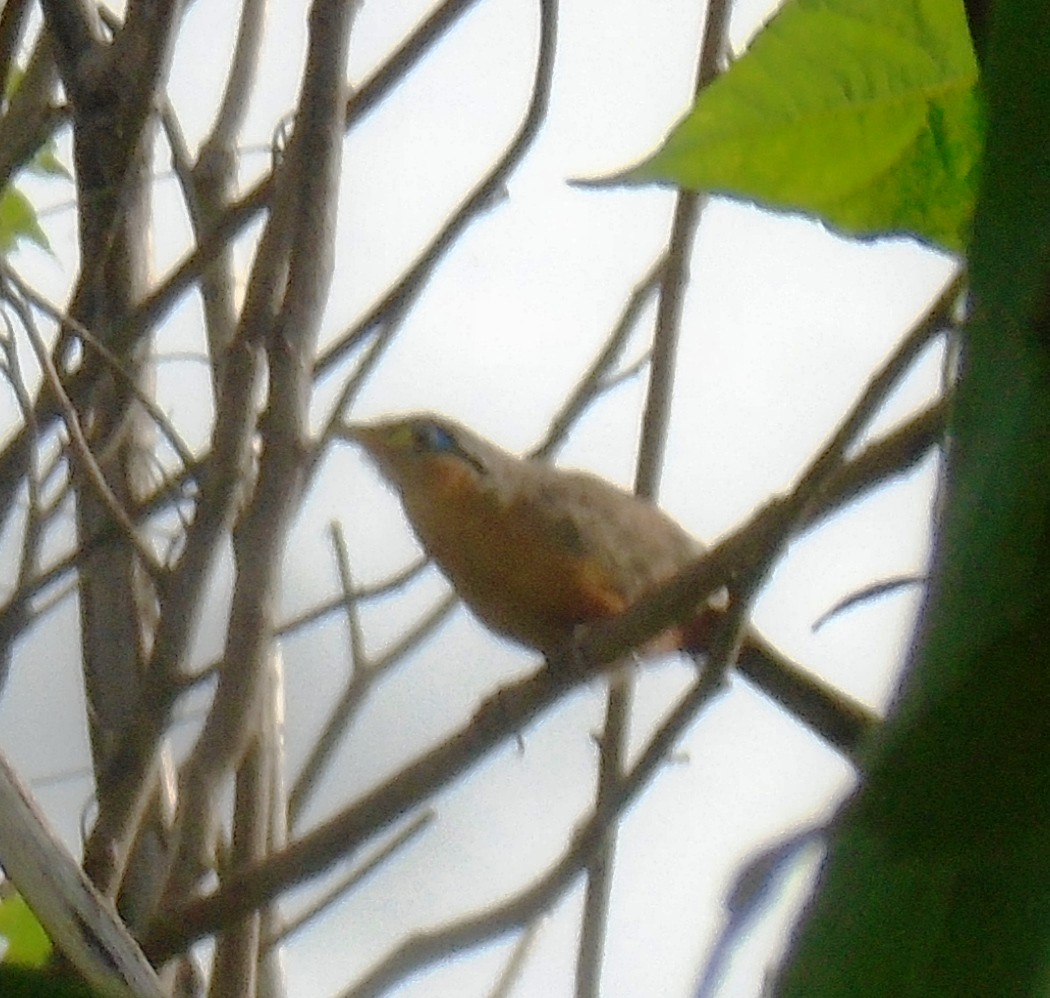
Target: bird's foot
(571,661)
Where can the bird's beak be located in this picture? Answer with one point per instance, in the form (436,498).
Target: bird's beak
(375,440)
(384,443)
(365,435)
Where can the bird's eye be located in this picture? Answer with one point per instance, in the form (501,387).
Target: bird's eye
(428,437)
(431,437)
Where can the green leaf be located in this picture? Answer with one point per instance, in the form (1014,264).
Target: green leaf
(27,943)
(861,111)
(47,164)
(18,221)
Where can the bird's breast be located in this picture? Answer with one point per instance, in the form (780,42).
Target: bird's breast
(524,581)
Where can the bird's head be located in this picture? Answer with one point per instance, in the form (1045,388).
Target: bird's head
(423,452)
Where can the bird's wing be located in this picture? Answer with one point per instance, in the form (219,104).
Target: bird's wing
(630,543)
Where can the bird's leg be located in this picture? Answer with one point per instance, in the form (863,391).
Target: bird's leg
(574,663)
(699,633)
(571,660)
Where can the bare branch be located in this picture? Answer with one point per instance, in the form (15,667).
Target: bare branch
(238,950)
(352,699)
(16,613)
(151,309)
(303,222)
(85,460)
(76,28)
(14,19)
(404,291)
(674,280)
(116,366)
(30,118)
(242,212)
(236,96)
(355,878)
(937,320)
(508,979)
(74,915)
(596,380)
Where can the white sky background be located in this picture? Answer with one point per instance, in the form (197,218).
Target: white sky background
(784,324)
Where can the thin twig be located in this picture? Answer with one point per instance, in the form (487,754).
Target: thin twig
(937,319)
(511,974)
(352,700)
(355,878)
(36,516)
(596,381)
(359,678)
(67,323)
(355,381)
(301,238)
(81,449)
(152,309)
(674,281)
(487,192)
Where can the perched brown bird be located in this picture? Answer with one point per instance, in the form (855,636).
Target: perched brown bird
(536,551)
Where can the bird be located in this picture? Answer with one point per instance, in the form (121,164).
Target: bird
(535,551)
(539,552)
